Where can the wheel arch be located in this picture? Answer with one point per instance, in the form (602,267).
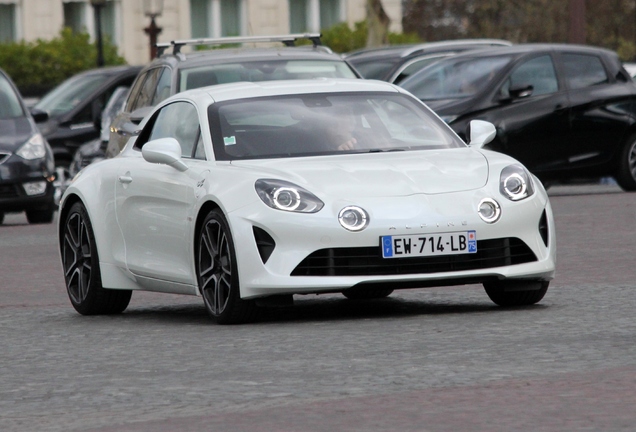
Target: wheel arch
(629,134)
(100,231)
(63,213)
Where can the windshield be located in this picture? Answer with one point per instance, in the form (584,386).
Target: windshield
(70,93)
(320,124)
(262,71)
(10,106)
(454,78)
(373,69)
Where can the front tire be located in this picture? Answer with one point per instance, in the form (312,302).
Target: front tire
(516,293)
(40,216)
(81,268)
(626,175)
(217,272)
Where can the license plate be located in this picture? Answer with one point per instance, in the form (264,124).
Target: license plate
(417,245)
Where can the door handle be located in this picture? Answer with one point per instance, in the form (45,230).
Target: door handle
(125,179)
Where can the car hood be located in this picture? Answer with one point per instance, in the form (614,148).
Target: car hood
(381,174)
(15,132)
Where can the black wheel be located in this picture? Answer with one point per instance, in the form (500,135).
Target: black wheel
(1,218)
(516,293)
(367,293)
(217,273)
(40,216)
(81,268)
(626,175)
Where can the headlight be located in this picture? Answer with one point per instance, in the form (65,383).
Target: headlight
(286,196)
(33,148)
(515,183)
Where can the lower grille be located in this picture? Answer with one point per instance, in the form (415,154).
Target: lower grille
(368,261)
(8,191)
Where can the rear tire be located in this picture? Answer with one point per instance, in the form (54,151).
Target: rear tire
(626,174)
(1,218)
(217,272)
(367,293)
(81,268)
(516,293)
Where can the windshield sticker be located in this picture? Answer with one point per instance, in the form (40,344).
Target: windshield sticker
(229,140)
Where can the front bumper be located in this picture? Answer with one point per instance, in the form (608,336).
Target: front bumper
(527,225)
(19,183)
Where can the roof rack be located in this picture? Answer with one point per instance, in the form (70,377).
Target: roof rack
(288,40)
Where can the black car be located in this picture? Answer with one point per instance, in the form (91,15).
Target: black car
(566,112)
(74,108)
(27,169)
(177,71)
(396,63)
(95,150)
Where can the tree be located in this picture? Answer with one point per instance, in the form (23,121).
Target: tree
(378,24)
(37,67)
(610,23)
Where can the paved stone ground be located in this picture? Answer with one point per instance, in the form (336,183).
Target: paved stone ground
(442,359)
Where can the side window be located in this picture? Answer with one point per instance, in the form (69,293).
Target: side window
(134,92)
(178,120)
(147,90)
(199,152)
(583,70)
(415,66)
(83,117)
(163,86)
(538,72)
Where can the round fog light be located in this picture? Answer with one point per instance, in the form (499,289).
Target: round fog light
(489,210)
(353,218)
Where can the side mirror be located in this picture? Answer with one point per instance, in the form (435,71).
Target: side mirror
(481,133)
(166,151)
(519,91)
(39,116)
(138,115)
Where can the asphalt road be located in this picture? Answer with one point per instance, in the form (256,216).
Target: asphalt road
(441,359)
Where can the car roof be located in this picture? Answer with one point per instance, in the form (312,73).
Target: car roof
(522,49)
(401,51)
(112,70)
(233,55)
(242,90)
(223,54)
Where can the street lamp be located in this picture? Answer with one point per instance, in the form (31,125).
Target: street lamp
(97,7)
(153,9)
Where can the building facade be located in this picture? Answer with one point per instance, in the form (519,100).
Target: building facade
(123,21)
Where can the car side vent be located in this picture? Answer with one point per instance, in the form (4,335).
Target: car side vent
(543,228)
(4,156)
(264,243)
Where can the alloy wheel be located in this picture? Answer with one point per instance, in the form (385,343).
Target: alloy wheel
(215,266)
(631,160)
(77,254)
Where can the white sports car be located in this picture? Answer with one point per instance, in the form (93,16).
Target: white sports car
(248,192)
